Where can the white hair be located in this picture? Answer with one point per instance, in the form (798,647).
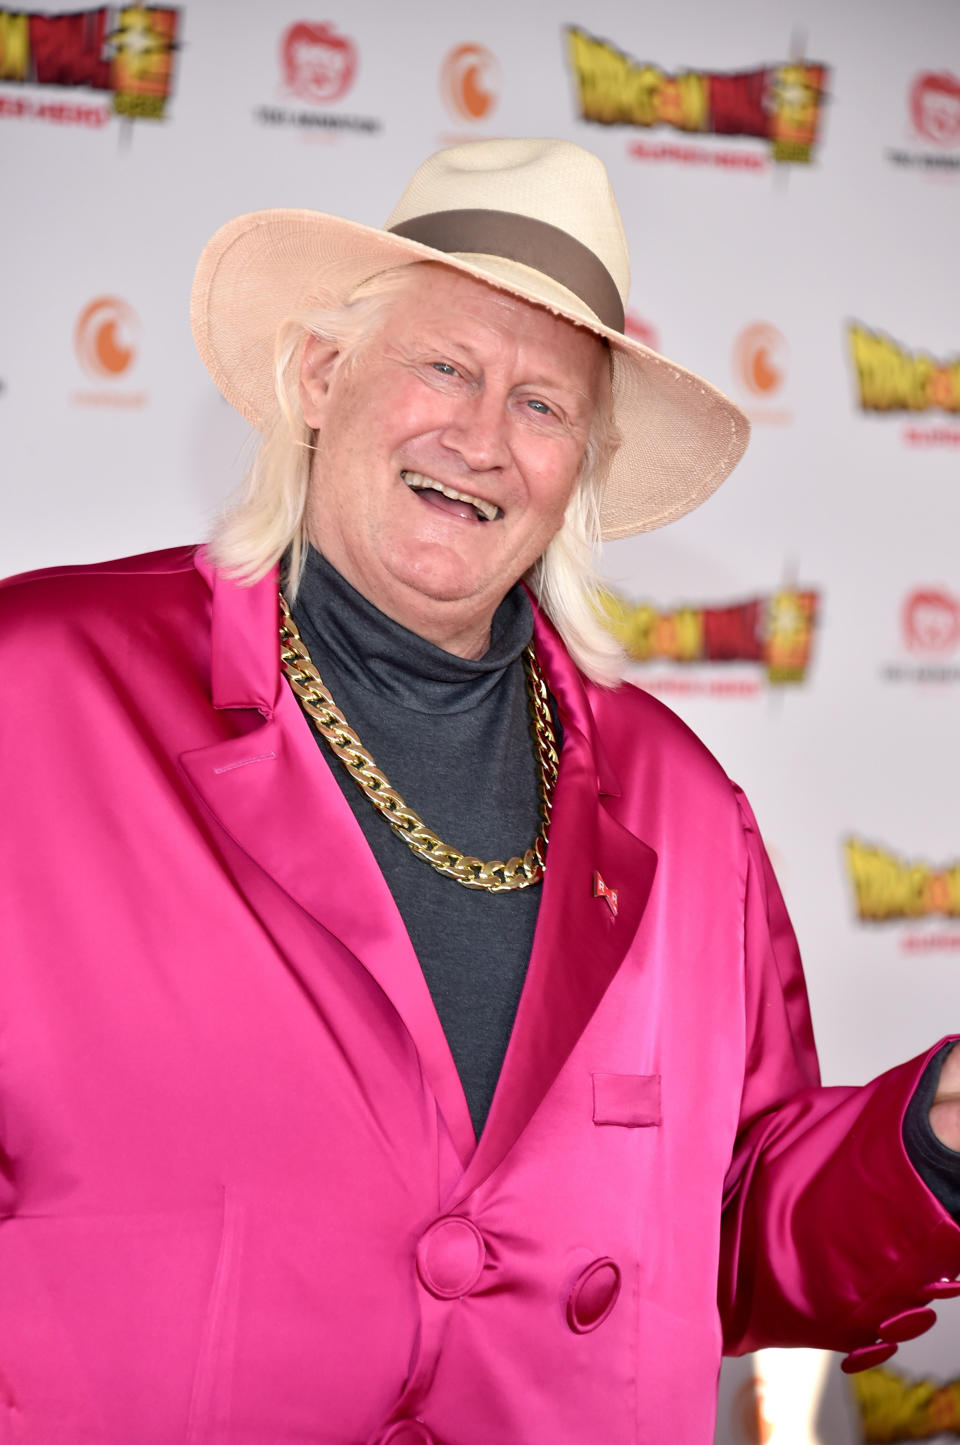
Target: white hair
(267,519)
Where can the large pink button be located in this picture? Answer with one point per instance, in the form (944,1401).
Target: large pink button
(866,1357)
(907,1325)
(405,1432)
(942,1289)
(450,1256)
(593,1296)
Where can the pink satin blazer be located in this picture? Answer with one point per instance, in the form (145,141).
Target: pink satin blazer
(240,1199)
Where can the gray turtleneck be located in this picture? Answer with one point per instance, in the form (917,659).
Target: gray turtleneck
(453,736)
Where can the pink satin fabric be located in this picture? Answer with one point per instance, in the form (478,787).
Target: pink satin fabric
(240,1200)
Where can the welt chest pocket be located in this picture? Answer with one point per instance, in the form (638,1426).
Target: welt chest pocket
(630,1100)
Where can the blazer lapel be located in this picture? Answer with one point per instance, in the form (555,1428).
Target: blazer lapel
(271,790)
(580,939)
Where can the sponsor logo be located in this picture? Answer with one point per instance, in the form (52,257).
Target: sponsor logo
(890,889)
(933,103)
(774,632)
(106,340)
(760,366)
(895,1406)
(638,328)
(128,51)
(105,337)
(930,628)
(931,622)
(758,356)
(318,63)
(781,104)
(892,379)
(318,66)
(935,108)
(470,82)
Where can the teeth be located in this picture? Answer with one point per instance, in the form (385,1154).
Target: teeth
(419,483)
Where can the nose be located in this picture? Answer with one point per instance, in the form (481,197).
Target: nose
(478,431)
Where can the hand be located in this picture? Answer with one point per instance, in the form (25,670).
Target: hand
(945,1113)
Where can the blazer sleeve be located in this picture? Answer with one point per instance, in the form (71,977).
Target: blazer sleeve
(829,1236)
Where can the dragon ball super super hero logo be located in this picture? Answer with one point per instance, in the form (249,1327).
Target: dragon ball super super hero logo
(774,633)
(782,104)
(127,51)
(889,889)
(890,377)
(893,380)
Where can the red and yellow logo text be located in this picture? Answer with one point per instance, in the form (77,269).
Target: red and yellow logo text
(778,103)
(891,378)
(128,51)
(887,887)
(775,631)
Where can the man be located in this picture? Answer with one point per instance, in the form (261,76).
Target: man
(373,1070)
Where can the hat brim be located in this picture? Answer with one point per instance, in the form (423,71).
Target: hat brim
(680,436)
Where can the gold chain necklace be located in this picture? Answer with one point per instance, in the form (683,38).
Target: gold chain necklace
(495,876)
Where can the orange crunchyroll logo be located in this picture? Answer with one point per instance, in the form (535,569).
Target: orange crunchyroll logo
(759,358)
(318,63)
(106,337)
(469,81)
(935,107)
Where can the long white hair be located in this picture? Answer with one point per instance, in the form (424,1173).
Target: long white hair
(267,518)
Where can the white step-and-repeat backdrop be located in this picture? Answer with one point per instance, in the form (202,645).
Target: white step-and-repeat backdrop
(789,175)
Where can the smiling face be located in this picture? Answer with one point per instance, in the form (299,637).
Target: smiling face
(447,450)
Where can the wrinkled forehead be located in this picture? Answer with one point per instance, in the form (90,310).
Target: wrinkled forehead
(443,303)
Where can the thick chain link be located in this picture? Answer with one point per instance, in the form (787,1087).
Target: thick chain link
(496,876)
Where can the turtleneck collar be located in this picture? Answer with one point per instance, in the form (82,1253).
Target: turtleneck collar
(359,643)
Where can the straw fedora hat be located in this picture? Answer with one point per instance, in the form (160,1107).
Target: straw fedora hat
(536,218)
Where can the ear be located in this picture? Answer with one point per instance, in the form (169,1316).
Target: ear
(316,365)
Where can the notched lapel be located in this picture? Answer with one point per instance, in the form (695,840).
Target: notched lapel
(273,793)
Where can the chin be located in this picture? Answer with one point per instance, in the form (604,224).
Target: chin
(448,581)
(449,591)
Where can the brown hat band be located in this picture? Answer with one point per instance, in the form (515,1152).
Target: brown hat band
(532,243)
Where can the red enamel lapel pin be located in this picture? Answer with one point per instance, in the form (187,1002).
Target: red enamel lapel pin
(600,890)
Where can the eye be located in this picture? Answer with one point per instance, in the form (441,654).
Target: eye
(540,407)
(444,368)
